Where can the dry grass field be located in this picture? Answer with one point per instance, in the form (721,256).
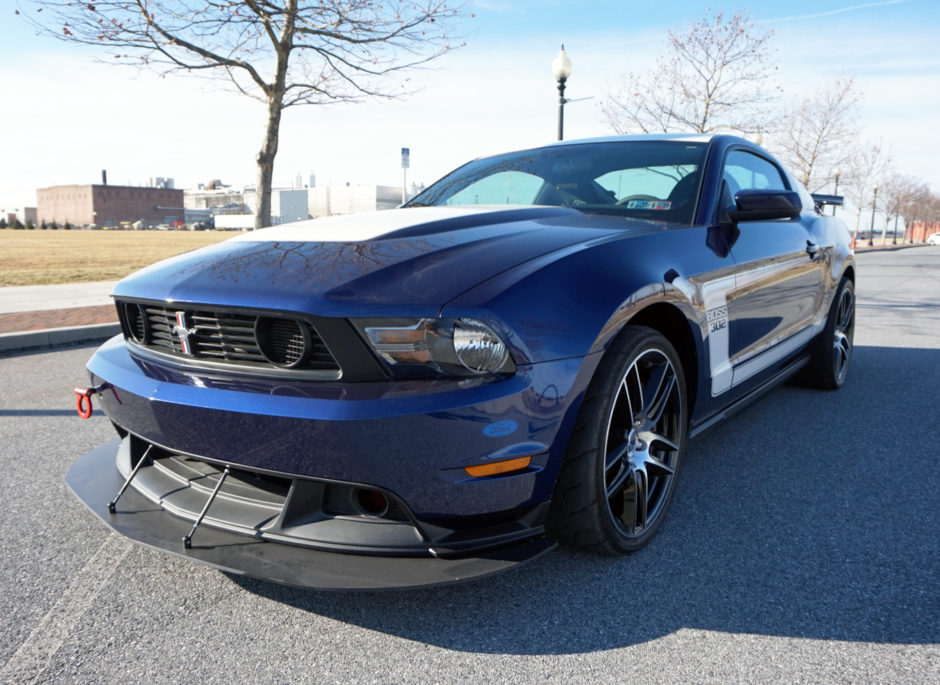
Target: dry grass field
(41,257)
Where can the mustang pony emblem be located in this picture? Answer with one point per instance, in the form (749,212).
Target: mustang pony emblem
(182,332)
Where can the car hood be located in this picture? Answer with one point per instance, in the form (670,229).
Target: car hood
(411,260)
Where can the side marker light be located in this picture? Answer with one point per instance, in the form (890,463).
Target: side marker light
(498,467)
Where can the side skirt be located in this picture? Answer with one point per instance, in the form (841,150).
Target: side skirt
(732,409)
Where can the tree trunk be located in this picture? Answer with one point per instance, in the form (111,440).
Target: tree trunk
(275,96)
(265,161)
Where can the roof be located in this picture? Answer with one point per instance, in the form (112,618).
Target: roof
(650,137)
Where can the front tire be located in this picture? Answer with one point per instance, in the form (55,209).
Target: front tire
(619,474)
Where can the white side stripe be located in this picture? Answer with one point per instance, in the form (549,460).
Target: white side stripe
(715,299)
(774,354)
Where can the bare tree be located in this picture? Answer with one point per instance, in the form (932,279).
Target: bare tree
(281,52)
(817,135)
(902,197)
(715,75)
(869,165)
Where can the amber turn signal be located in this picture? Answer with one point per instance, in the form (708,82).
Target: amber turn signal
(498,467)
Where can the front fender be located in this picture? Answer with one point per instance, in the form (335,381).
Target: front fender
(573,302)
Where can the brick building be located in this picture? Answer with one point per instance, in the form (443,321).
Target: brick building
(107,205)
(919,231)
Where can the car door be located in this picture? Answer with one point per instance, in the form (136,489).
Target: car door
(778,277)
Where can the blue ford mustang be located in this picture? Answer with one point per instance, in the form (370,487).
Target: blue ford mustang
(515,358)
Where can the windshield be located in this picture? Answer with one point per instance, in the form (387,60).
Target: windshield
(655,180)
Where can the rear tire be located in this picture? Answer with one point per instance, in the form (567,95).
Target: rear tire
(832,351)
(619,474)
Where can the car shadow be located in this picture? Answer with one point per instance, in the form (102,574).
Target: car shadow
(811,515)
(37,412)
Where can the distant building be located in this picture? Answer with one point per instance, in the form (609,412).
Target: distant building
(107,205)
(349,199)
(286,205)
(24,215)
(234,208)
(221,200)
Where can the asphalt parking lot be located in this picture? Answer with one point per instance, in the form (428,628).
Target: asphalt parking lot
(803,546)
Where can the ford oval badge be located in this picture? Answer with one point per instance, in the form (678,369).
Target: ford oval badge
(500,428)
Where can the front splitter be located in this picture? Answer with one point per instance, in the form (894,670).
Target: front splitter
(95,480)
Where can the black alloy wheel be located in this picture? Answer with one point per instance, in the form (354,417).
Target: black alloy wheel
(620,473)
(843,333)
(832,352)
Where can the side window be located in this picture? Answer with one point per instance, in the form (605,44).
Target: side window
(744,171)
(503,188)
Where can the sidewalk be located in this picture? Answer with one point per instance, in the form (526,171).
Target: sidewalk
(40,316)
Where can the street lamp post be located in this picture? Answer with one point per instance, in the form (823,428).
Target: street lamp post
(838,172)
(405,163)
(871,232)
(561,70)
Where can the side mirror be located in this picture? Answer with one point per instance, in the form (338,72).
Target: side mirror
(765,205)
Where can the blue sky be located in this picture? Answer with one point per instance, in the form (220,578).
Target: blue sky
(66,117)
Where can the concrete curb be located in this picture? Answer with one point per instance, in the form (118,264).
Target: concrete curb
(55,337)
(888,248)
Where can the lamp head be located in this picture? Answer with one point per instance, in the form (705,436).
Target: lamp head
(561,65)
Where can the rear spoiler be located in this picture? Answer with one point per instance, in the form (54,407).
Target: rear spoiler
(823,200)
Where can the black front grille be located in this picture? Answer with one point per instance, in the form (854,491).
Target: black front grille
(134,316)
(213,335)
(246,339)
(287,342)
(283,341)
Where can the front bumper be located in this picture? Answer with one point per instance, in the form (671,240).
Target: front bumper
(95,480)
(300,452)
(412,439)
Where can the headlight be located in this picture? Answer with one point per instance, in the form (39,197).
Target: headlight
(477,347)
(460,347)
